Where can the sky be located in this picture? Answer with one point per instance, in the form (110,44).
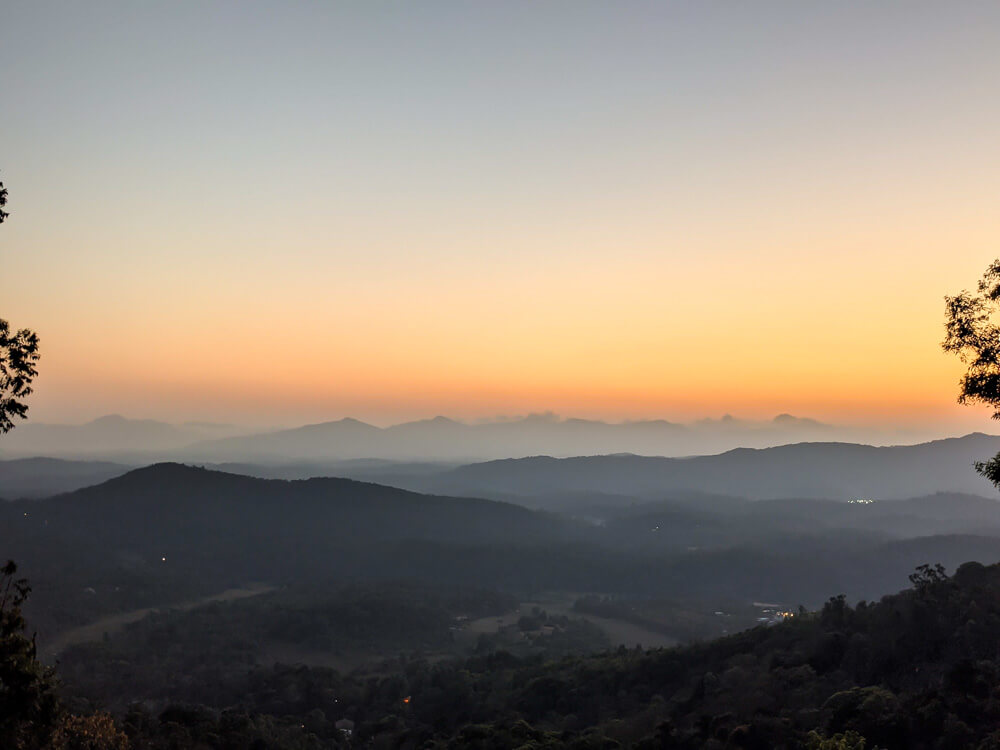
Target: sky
(276,213)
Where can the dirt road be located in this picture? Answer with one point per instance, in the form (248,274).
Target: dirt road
(113,623)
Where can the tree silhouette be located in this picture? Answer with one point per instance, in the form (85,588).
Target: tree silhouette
(972,334)
(31,714)
(29,708)
(18,356)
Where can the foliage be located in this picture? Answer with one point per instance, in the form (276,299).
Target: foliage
(918,670)
(18,357)
(972,334)
(203,655)
(31,715)
(179,727)
(845,741)
(29,708)
(95,732)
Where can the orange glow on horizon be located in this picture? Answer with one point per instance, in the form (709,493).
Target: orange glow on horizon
(669,231)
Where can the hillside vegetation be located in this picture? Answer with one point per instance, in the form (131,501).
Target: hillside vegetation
(171,534)
(919,669)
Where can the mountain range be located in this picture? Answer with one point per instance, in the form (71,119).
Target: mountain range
(835,471)
(170,533)
(116,438)
(838,471)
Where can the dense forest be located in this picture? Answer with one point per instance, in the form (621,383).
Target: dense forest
(918,669)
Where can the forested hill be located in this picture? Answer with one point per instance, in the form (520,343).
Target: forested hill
(919,670)
(168,533)
(167,506)
(805,470)
(171,533)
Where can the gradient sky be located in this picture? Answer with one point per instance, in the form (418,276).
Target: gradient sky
(290,212)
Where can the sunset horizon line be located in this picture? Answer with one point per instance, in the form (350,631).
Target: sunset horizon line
(733,419)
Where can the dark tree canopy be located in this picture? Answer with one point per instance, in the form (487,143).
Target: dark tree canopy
(29,708)
(31,715)
(972,334)
(18,357)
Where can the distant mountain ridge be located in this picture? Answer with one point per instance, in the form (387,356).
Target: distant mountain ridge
(835,471)
(170,532)
(445,439)
(438,439)
(838,471)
